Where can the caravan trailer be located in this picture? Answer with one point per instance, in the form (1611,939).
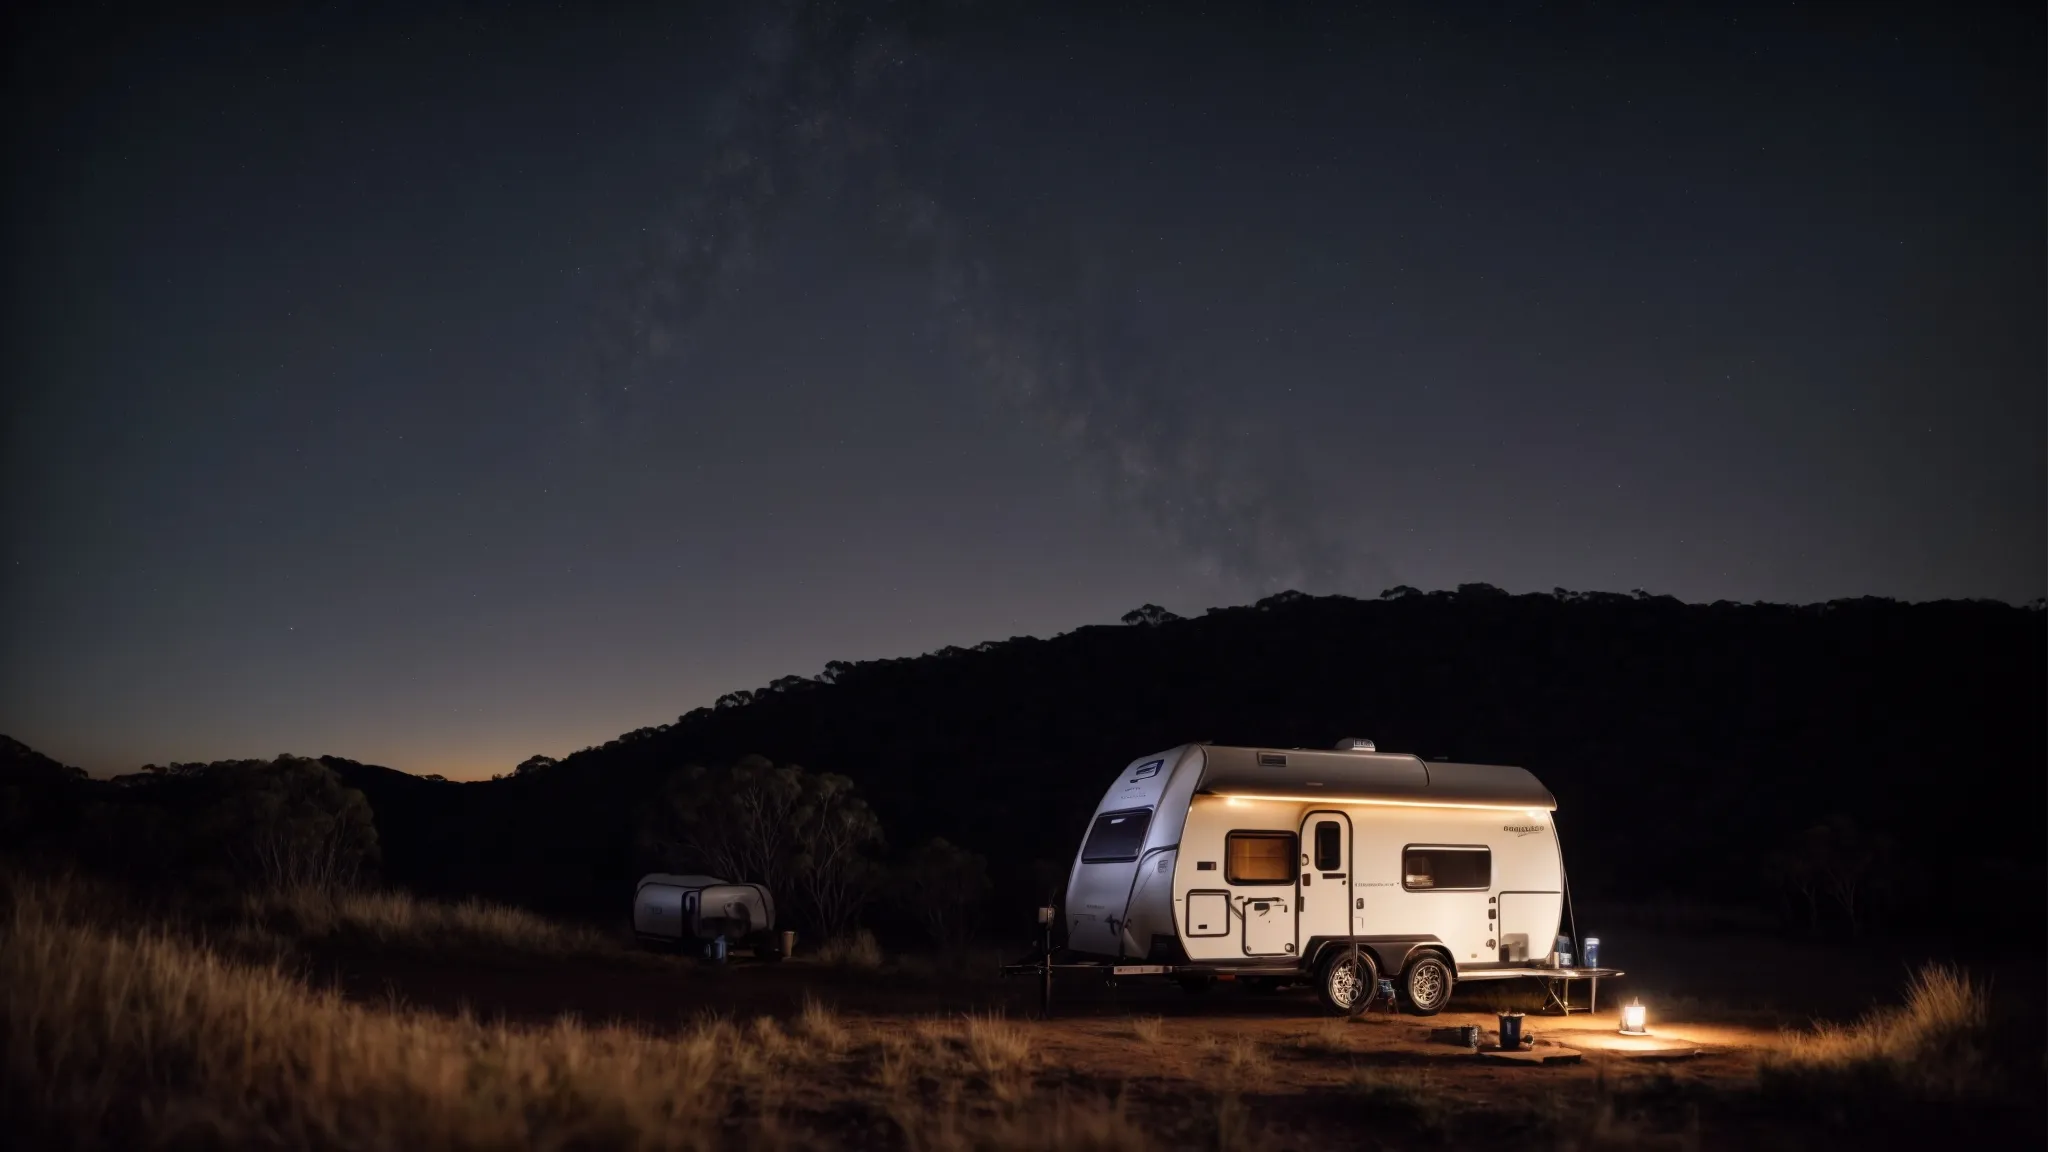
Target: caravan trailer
(1268,864)
(670,909)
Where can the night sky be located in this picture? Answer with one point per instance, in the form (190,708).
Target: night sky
(437,390)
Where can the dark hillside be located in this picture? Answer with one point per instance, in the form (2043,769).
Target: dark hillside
(1694,749)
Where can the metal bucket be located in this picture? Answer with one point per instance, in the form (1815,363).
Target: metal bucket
(1510,1030)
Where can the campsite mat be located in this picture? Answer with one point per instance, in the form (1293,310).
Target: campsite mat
(1547,1054)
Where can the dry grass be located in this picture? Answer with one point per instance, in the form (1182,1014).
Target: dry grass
(1932,1045)
(822,1026)
(1328,1038)
(118,1038)
(397,920)
(995,1045)
(858,951)
(1244,1057)
(1399,1093)
(1085,1123)
(114,1037)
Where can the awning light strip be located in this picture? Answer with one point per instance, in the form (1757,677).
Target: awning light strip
(1551,807)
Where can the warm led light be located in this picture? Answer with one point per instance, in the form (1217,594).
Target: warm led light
(1236,801)
(1236,797)
(1535,813)
(1634,1020)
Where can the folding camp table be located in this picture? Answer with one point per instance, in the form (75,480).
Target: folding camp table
(1557,987)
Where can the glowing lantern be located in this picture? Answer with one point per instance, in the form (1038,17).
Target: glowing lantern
(1634,1021)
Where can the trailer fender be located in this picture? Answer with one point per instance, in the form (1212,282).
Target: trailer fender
(1390,953)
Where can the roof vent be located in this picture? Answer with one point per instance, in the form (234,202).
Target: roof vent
(1354,744)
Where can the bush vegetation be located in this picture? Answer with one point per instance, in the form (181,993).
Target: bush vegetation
(123,1037)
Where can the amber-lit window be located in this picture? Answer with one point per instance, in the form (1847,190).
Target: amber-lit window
(1259,858)
(1435,867)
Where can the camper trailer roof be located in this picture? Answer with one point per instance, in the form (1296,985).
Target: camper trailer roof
(1368,778)
(677,881)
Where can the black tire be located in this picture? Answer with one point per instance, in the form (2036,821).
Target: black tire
(1339,986)
(1426,985)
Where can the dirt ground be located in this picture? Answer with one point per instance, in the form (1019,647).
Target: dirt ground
(1302,1077)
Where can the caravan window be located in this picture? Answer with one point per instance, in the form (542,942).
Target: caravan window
(1329,846)
(1116,837)
(1436,867)
(1259,858)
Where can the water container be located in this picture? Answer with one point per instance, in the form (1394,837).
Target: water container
(1510,1030)
(1564,951)
(1592,951)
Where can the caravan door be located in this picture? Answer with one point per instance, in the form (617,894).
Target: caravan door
(1323,899)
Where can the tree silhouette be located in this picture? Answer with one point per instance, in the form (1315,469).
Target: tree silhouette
(1734,729)
(805,835)
(940,886)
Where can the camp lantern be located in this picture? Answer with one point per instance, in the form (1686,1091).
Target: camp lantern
(1634,1020)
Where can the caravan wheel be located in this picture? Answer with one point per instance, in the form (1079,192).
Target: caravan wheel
(1340,983)
(1427,984)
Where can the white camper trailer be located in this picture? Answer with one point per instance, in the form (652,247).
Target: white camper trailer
(1205,861)
(673,909)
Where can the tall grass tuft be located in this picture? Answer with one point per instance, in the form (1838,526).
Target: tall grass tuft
(859,951)
(1328,1038)
(995,1045)
(822,1026)
(1931,1046)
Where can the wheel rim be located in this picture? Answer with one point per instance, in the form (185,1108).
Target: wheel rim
(1426,987)
(1344,982)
